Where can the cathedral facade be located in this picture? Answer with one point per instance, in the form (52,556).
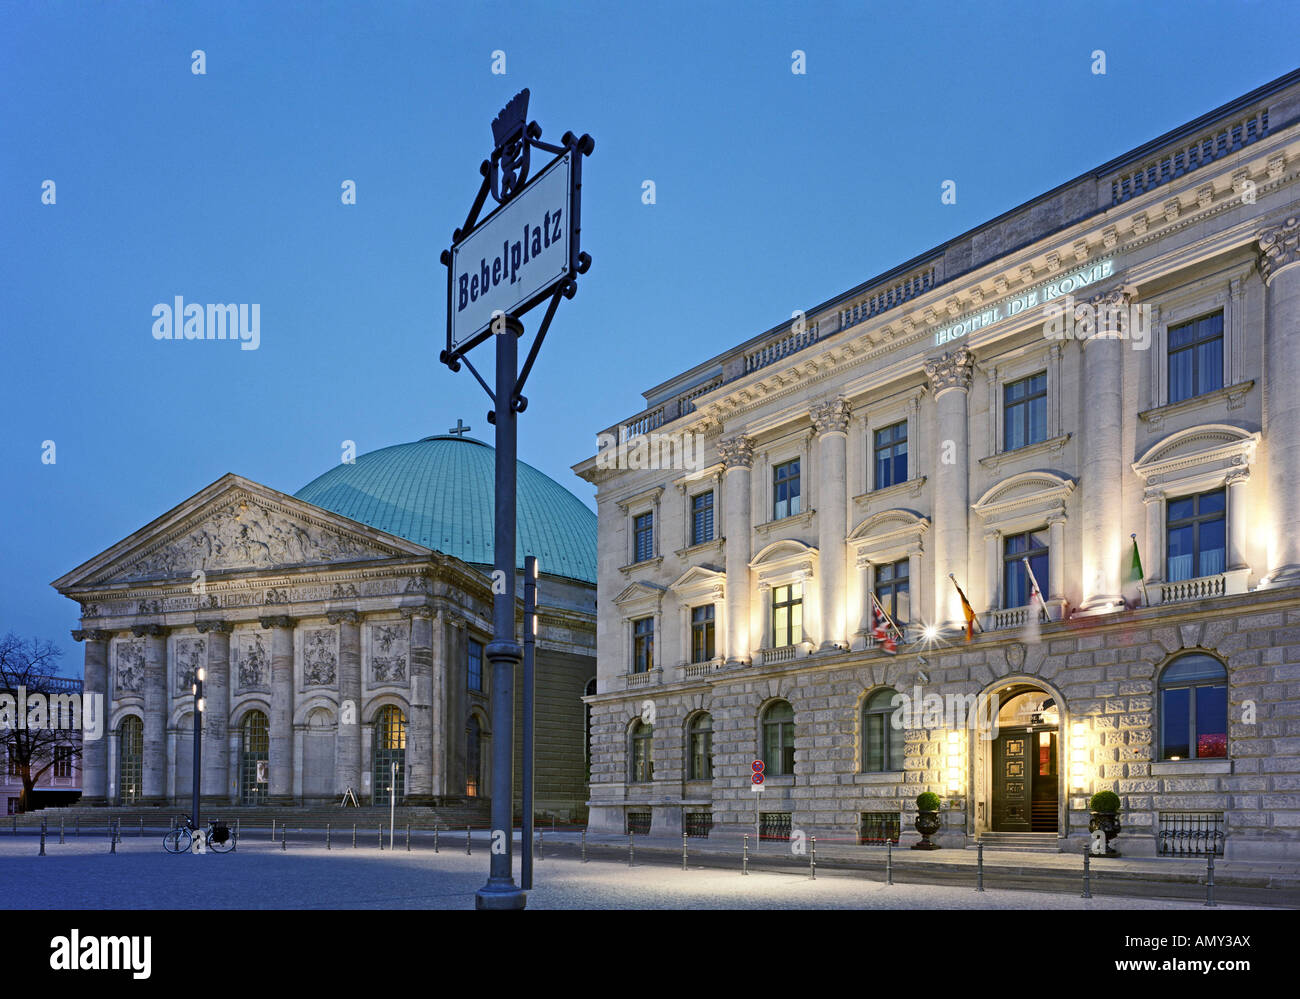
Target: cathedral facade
(1050,468)
(340,634)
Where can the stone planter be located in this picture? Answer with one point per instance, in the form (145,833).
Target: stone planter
(1108,823)
(927,824)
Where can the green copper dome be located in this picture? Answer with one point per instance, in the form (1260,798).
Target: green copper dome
(438,492)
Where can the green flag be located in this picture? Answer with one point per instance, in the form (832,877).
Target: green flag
(1133,585)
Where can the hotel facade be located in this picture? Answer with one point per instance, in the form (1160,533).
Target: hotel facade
(1118,357)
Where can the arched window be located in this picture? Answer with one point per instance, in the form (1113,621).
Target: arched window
(699,739)
(473,757)
(778,739)
(390,748)
(641,755)
(254,748)
(130,760)
(882,741)
(1194,709)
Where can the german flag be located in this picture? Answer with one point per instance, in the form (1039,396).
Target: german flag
(966,609)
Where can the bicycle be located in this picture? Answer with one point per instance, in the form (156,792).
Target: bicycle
(217,836)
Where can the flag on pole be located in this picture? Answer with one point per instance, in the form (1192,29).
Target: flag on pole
(966,609)
(1032,634)
(882,627)
(1134,577)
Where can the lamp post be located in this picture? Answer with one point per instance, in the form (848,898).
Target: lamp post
(530,638)
(200,705)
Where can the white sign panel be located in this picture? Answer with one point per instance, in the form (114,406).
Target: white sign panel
(512,257)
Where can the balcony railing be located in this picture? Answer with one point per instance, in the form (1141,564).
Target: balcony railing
(783,654)
(649,678)
(781,346)
(693,671)
(1018,617)
(1193,589)
(1214,145)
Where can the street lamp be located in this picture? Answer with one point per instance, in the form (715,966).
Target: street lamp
(200,705)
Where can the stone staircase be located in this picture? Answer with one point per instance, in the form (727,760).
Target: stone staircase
(1023,842)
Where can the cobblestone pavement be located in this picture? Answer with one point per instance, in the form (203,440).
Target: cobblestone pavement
(84,875)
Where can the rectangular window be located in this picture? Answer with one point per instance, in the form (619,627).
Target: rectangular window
(645,537)
(13,762)
(787,615)
(1024,412)
(702,634)
(474,664)
(643,645)
(785,490)
(701,518)
(891,455)
(1016,588)
(892,591)
(62,761)
(1196,536)
(1195,357)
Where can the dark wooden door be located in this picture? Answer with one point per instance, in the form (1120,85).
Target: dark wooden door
(1012,781)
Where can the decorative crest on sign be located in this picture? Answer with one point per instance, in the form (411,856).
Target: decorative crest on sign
(510,157)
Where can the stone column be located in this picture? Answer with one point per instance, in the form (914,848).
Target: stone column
(347,748)
(765,608)
(866,579)
(280,789)
(442,726)
(950,377)
(154,778)
(1237,522)
(215,788)
(94,752)
(419,731)
(914,590)
(684,630)
(1102,470)
(992,568)
(737,455)
(456,639)
(831,422)
(1056,556)
(1280,267)
(1153,555)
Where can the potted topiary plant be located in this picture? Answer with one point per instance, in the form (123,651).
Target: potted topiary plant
(927,820)
(1105,819)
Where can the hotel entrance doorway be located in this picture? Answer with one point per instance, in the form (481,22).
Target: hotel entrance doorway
(1026,773)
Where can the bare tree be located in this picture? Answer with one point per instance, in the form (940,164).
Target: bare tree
(29,667)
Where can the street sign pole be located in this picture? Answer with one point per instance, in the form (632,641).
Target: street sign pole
(530,630)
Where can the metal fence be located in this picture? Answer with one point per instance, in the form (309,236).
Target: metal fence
(698,824)
(1191,834)
(879,827)
(774,825)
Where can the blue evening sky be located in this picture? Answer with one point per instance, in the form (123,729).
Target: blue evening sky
(775,191)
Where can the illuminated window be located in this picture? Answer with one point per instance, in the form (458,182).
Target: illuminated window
(892,591)
(891,455)
(778,739)
(1195,357)
(1017,588)
(882,741)
(787,615)
(701,518)
(785,490)
(473,757)
(702,633)
(1194,709)
(389,749)
(700,739)
(254,748)
(1024,413)
(62,761)
(642,755)
(643,645)
(1196,533)
(130,760)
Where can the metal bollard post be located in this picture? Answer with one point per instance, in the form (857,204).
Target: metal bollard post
(408,837)
(744,856)
(683,851)
(584,844)
(272,830)
(381,837)
(354,835)
(112,838)
(979,866)
(141,827)
(1209,881)
(813,858)
(60,830)
(284,836)
(631,850)
(327,835)
(1087,874)
(889,860)
(42,853)
(539,843)
(435,837)
(467,846)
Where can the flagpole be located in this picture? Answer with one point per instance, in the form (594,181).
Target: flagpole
(1142,582)
(885,614)
(975,619)
(1047,615)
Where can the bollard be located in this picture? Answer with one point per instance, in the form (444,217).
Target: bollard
(42,853)
(112,839)
(631,850)
(77,828)
(683,851)
(979,867)
(327,835)
(1209,881)
(889,860)
(1087,874)
(408,837)
(234,846)
(273,830)
(141,835)
(435,837)
(284,836)
(381,837)
(60,830)
(467,847)
(584,844)
(354,835)
(539,842)
(813,858)
(744,856)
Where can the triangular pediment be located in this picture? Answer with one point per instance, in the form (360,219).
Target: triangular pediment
(697,575)
(236,525)
(639,590)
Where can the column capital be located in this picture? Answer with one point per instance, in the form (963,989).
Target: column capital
(91,635)
(421,611)
(219,626)
(1238,477)
(952,370)
(737,451)
(150,630)
(1279,247)
(276,621)
(350,616)
(1056,518)
(831,417)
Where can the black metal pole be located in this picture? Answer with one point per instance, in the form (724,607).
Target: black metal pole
(503,652)
(198,742)
(530,627)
